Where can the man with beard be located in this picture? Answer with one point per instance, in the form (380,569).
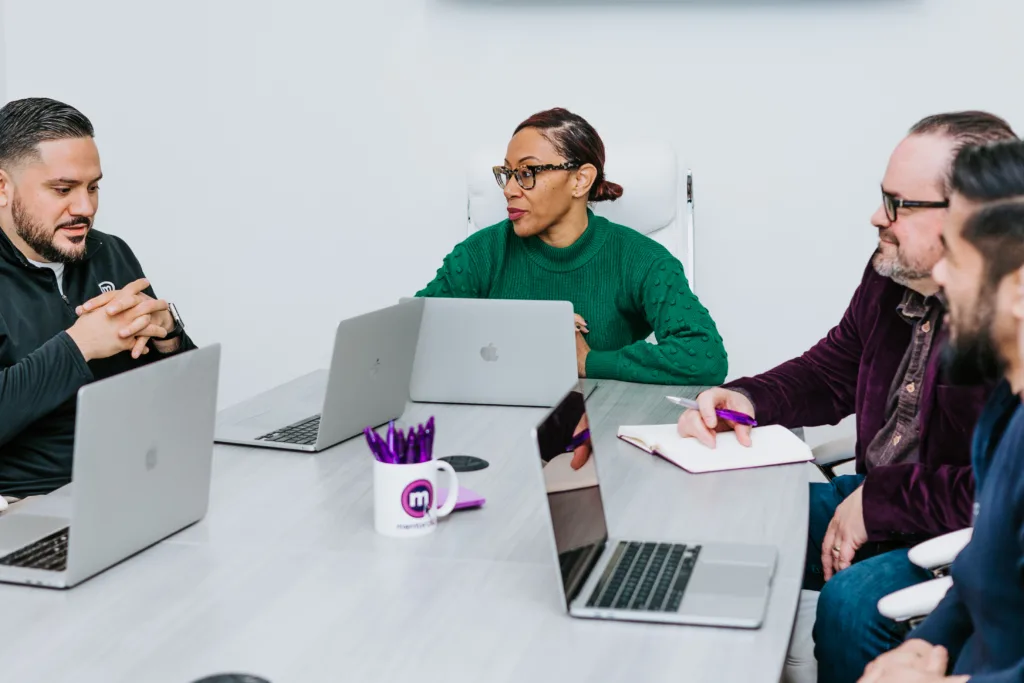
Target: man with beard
(880,362)
(979,625)
(75,306)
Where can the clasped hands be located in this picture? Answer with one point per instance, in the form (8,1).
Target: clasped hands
(122,320)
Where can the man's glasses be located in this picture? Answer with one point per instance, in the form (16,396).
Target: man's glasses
(893,203)
(526,176)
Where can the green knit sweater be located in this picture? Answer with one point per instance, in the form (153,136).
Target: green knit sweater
(623,283)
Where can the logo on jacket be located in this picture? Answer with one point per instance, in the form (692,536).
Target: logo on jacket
(107,286)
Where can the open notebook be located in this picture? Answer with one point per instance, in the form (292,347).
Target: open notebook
(770,445)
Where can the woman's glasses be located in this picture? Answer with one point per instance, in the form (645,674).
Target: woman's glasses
(526,175)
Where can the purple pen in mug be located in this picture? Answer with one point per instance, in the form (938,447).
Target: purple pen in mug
(422,451)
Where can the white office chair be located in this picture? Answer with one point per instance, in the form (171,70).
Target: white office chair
(657,199)
(832,454)
(915,603)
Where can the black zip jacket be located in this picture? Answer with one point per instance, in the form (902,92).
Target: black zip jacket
(41,368)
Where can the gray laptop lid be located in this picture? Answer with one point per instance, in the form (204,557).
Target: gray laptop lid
(578,523)
(371,369)
(143,450)
(495,352)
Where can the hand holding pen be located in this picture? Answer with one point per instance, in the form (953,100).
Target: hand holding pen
(579,446)
(716,410)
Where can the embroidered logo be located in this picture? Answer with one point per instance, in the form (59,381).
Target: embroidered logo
(107,286)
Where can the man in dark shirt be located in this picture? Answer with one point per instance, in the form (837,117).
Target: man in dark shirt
(75,305)
(978,628)
(881,363)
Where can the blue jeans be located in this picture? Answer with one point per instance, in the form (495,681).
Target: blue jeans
(849,632)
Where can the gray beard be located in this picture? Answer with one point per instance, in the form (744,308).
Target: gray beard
(896,270)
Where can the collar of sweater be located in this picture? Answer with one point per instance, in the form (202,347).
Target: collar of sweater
(563,259)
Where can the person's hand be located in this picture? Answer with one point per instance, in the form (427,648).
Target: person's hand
(582,347)
(846,533)
(703,423)
(99,335)
(582,453)
(915,661)
(133,299)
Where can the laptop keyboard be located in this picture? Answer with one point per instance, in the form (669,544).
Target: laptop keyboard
(649,577)
(46,553)
(302,433)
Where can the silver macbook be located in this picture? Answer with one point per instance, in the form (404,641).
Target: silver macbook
(495,352)
(667,580)
(366,385)
(141,472)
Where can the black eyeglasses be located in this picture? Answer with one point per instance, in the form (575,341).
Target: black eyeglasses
(892,203)
(526,176)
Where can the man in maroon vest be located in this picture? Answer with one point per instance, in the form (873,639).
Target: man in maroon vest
(881,363)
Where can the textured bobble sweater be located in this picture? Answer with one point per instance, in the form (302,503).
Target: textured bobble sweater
(624,284)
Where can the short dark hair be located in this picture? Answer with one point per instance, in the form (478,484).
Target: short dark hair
(966,128)
(991,172)
(577,141)
(997,231)
(26,123)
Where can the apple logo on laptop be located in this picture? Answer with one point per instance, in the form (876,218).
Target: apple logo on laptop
(375,369)
(151,459)
(489,353)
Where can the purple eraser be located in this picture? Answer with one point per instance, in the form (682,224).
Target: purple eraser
(466,499)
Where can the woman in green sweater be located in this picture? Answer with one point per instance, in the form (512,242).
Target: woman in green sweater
(623,285)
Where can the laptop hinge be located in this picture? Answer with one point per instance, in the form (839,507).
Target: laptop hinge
(579,577)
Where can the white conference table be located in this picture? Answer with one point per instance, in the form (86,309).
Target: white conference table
(285,577)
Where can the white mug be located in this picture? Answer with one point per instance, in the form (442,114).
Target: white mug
(404,497)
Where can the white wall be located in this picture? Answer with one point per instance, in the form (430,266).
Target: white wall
(280,164)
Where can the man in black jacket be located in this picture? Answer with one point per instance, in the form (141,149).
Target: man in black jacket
(74,304)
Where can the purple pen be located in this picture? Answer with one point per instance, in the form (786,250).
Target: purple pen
(413,449)
(400,446)
(380,447)
(421,439)
(431,431)
(369,433)
(578,440)
(391,438)
(389,457)
(731,415)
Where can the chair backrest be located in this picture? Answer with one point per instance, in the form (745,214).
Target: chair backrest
(657,199)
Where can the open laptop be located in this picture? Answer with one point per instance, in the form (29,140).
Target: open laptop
(666,581)
(495,352)
(141,472)
(366,385)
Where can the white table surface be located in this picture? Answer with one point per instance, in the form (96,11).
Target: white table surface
(285,577)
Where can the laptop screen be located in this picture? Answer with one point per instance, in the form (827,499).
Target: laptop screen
(574,496)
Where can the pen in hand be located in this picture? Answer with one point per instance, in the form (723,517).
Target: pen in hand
(725,414)
(578,441)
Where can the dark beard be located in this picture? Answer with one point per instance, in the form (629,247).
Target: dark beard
(40,239)
(972,359)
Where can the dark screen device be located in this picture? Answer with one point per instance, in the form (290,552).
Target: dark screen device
(465,463)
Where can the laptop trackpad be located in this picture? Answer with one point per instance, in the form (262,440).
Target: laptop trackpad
(19,530)
(728,579)
(726,590)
